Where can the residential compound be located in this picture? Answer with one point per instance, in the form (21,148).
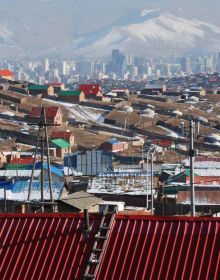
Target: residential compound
(119,140)
(98,177)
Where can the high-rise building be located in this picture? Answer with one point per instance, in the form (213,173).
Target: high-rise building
(117,62)
(62,68)
(45,66)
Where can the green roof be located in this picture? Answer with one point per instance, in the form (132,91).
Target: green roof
(187,173)
(15,166)
(38,87)
(61,143)
(69,93)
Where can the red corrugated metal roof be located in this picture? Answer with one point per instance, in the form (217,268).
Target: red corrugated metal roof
(6,73)
(22,160)
(60,134)
(90,88)
(52,246)
(162,143)
(55,84)
(50,112)
(46,246)
(162,248)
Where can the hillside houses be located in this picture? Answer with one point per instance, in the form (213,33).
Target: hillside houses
(75,97)
(91,90)
(66,135)
(41,90)
(54,115)
(57,86)
(154,88)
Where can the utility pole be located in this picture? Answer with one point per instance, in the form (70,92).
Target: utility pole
(43,138)
(152,182)
(191,156)
(147,183)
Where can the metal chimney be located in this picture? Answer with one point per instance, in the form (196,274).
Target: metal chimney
(86,220)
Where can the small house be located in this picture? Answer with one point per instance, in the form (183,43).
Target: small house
(113,145)
(6,74)
(78,201)
(66,135)
(154,89)
(91,90)
(41,90)
(62,147)
(57,86)
(76,96)
(120,92)
(54,115)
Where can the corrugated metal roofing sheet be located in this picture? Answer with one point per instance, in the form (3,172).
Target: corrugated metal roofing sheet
(44,246)
(52,246)
(112,141)
(6,73)
(38,87)
(89,88)
(81,200)
(50,112)
(69,93)
(162,248)
(61,143)
(19,173)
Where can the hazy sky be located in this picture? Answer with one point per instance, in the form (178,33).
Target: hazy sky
(35,24)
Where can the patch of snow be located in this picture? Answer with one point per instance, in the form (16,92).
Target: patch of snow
(147,12)
(7,113)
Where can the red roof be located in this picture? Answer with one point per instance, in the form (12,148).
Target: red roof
(162,143)
(53,246)
(90,88)
(22,160)
(143,247)
(6,73)
(51,112)
(44,246)
(207,158)
(60,134)
(55,84)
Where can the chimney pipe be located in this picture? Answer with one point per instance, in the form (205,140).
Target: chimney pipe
(86,220)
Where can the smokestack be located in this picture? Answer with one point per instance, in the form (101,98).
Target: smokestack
(86,220)
(182,129)
(197,128)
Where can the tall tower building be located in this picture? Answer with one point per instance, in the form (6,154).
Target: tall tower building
(45,65)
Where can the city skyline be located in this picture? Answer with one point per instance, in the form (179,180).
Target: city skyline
(118,66)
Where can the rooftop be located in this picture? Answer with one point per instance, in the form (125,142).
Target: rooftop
(61,143)
(38,87)
(81,200)
(69,93)
(46,246)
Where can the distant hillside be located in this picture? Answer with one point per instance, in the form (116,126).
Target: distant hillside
(68,28)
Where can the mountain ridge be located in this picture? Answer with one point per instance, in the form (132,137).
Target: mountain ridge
(38,28)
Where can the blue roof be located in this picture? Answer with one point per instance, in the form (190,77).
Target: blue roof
(5,184)
(53,168)
(20,186)
(113,141)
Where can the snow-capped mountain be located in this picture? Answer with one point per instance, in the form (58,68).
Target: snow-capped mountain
(66,29)
(154,34)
